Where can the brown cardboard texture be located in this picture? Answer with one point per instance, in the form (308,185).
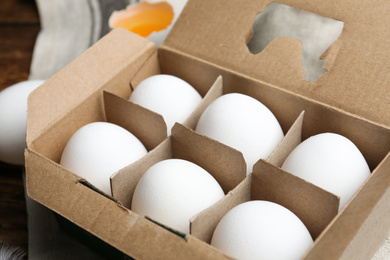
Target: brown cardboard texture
(349,99)
(356,78)
(227,165)
(148,126)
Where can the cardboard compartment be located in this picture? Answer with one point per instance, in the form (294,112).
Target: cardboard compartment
(146,124)
(349,100)
(225,164)
(313,205)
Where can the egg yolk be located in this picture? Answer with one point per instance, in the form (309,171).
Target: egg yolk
(144,18)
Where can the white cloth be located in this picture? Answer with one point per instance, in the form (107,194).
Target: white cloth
(316,33)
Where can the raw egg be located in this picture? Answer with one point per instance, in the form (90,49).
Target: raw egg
(143,18)
(97,150)
(152,19)
(13,120)
(242,123)
(261,230)
(167,95)
(173,191)
(330,161)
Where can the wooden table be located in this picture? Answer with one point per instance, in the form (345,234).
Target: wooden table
(19,27)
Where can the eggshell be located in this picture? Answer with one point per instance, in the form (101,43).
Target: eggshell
(330,161)
(97,150)
(13,120)
(152,19)
(173,191)
(261,230)
(177,5)
(167,95)
(243,123)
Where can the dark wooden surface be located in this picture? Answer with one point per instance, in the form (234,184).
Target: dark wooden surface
(19,27)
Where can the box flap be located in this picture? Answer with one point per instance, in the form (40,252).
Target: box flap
(358,68)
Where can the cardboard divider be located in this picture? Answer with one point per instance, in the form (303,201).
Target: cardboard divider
(148,126)
(150,67)
(210,155)
(214,92)
(203,224)
(124,181)
(292,138)
(314,206)
(225,164)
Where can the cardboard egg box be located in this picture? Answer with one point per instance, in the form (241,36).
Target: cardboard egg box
(224,163)
(199,50)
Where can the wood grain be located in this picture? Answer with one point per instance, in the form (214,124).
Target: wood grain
(19,26)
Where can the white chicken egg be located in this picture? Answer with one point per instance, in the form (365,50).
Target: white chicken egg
(97,150)
(13,120)
(173,191)
(167,95)
(330,161)
(242,123)
(261,230)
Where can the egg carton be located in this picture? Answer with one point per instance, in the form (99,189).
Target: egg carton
(96,87)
